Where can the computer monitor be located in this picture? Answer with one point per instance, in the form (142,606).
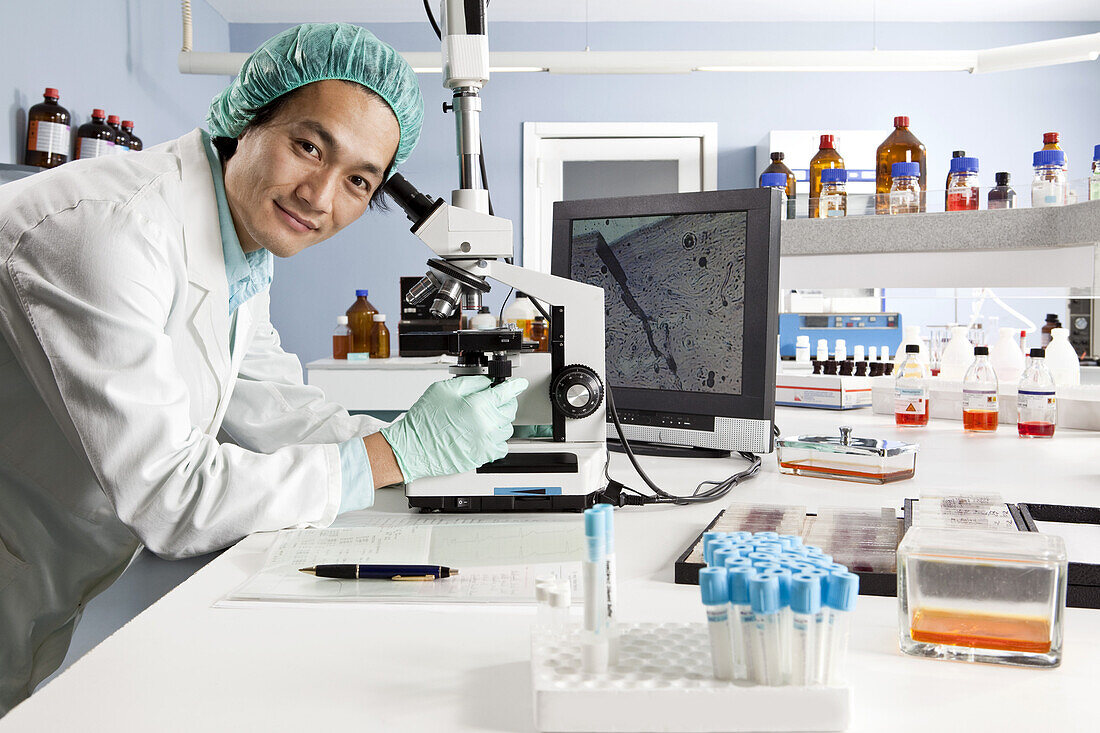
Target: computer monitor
(690,286)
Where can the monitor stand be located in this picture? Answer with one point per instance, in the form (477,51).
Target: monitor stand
(642,448)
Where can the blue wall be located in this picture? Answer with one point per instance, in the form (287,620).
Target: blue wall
(121,54)
(999,117)
(116,54)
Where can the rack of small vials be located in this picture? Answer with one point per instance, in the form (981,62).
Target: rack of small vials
(770,656)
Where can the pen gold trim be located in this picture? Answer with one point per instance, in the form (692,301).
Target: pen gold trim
(413,577)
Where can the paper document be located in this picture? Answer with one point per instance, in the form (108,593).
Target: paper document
(498,560)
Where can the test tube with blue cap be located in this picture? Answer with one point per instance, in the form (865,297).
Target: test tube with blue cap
(764,596)
(783,576)
(843,590)
(744,619)
(594,639)
(608,513)
(805,607)
(714,585)
(816,673)
(710,539)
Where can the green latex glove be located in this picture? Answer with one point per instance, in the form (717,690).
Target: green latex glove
(456,425)
(533,431)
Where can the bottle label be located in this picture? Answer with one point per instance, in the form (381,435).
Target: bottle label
(1094,188)
(1035,400)
(90,147)
(48,137)
(833,205)
(910,400)
(979,399)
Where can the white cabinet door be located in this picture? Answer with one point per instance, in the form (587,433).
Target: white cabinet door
(564,162)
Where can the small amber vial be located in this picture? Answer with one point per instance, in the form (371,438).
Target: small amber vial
(380,345)
(540,333)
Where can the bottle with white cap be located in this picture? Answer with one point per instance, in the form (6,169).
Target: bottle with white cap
(802,349)
(840,350)
(341,338)
(380,338)
(822,349)
(1062,360)
(484,320)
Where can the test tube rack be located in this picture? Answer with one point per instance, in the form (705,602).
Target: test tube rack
(664,681)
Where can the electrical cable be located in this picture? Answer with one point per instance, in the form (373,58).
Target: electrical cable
(717,489)
(431,19)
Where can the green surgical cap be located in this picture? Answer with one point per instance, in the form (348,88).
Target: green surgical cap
(314,52)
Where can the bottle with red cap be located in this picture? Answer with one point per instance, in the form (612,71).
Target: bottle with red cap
(47,132)
(135,141)
(122,140)
(1050,142)
(95,138)
(827,157)
(900,146)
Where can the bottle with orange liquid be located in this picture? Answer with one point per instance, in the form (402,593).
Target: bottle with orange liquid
(911,391)
(900,146)
(341,338)
(361,320)
(980,394)
(827,157)
(1037,410)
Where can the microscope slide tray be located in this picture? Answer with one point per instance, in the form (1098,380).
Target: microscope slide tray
(664,682)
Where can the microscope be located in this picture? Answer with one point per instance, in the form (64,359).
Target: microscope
(566,384)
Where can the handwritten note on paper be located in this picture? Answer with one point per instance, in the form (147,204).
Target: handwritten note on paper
(498,561)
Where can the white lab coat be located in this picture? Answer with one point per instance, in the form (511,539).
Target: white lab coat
(123,419)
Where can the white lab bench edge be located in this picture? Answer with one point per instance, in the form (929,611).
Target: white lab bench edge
(183,665)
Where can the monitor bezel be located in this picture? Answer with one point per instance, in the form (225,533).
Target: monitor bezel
(757,398)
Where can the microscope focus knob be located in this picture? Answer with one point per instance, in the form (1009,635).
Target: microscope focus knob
(576,391)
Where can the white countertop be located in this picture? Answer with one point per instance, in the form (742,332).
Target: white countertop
(185,666)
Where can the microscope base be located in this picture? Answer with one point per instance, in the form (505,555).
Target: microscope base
(535,476)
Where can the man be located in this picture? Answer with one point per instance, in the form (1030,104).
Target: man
(144,397)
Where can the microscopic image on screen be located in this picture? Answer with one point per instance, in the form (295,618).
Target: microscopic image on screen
(674,295)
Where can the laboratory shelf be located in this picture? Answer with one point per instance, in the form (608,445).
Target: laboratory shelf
(1047,247)
(955,231)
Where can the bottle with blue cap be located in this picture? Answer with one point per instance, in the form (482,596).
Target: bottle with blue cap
(1048,187)
(1094,179)
(905,190)
(764,597)
(843,588)
(790,187)
(963,190)
(361,322)
(714,586)
(778,181)
(833,201)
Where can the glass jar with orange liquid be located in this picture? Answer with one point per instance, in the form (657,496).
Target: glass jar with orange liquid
(900,146)
(981,595)
(980,412)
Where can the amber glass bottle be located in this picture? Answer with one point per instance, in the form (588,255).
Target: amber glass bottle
(94,139)
(827,157)
(900,146)
(540,334)
(47,132)
(122,140)
(135,141)
(380,341)
(778,166)
(361,322)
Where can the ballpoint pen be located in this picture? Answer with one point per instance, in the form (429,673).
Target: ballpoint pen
(381,572)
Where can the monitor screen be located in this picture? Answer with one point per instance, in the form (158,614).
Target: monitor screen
(690,285)
(674,297)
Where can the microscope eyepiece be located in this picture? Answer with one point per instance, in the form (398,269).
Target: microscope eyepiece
(417,206)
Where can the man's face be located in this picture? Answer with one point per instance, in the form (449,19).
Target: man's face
(312,169)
